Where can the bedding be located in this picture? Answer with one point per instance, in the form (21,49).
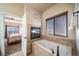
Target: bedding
(13,38)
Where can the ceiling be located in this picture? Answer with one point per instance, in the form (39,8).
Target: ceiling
(12,4)
(12,8)
(41,7)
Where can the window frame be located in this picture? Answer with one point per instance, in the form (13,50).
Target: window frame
(59,15)
(12,26)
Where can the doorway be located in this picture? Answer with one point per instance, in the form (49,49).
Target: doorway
(13,35)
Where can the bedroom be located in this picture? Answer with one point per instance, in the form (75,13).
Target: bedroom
(12,39)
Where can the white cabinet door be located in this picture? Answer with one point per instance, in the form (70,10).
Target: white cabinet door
(2,33)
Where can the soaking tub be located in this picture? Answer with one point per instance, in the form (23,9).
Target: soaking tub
(48,48)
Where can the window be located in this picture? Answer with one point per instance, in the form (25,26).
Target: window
(50,27)
(12,29)
(57,25)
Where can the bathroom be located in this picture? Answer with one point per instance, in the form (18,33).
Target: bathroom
(48,29)
(48,36)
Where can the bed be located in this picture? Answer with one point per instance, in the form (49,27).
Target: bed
(13,39)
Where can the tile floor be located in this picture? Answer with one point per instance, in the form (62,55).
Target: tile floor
(17,54)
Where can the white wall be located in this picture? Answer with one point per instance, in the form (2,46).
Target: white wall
(2,34)
(33,16)
(24,32)
(77,29)
(77,41)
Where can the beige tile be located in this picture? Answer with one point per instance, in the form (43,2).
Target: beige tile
(17,54)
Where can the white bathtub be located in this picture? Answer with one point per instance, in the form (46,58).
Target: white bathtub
(47,45)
